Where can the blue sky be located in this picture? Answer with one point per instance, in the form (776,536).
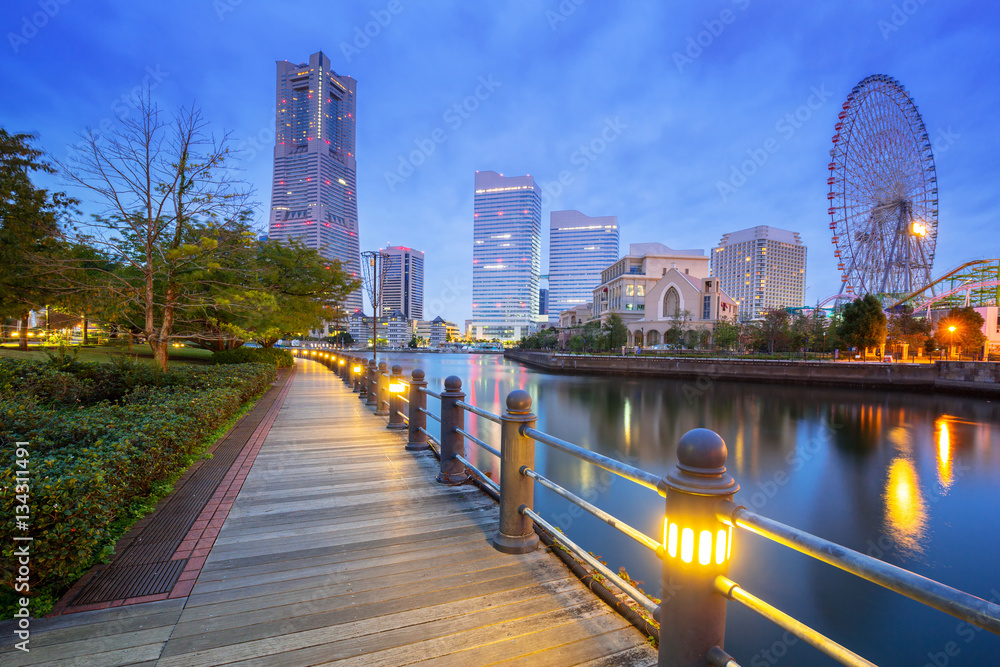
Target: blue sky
(670,98)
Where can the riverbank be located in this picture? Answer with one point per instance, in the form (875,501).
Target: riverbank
(970,377)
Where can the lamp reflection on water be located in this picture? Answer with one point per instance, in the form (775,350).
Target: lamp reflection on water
(905,508)
(944,461)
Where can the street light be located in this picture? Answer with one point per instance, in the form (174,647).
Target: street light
(951,350)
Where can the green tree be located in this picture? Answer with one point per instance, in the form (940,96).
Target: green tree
(863,323)
(775,329)
(903,328)
(968,332)
(726,334)
(616,331)
(30,221)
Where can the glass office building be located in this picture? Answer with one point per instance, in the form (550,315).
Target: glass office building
(580,247)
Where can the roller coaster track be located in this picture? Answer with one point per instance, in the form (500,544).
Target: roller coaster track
(984,273)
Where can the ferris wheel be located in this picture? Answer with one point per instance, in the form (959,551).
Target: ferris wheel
(883,192)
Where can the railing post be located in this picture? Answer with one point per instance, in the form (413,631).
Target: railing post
(516,534)
(396,421)
(371,395)
(418,420)
(697,547)
(366,370)
(356,369)
(452,442)
(382,390)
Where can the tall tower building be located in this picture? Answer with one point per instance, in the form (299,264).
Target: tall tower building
(761,268)
(314,189)
(506,255)
(403,289)
(580,247)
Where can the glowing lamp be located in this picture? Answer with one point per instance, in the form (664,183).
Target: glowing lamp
(918,228)
(357,369)
(341,362)
(396,387)
(693,536)
(951,329)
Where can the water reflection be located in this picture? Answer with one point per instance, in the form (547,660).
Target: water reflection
(905,508)
(944,456)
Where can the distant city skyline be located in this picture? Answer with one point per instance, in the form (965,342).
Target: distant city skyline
(694,133)
(761,268)
(404,282)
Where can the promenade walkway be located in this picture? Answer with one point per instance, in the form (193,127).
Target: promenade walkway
(340,548)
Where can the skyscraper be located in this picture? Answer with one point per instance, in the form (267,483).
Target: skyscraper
(404,283)
(314,189)
(506,255)
(761,268)
(580,247)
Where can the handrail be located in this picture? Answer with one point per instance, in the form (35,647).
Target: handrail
(479,411)
(430,393)
(431,415)
(404,399)
(430,437)
(731,590)
(969,608)
(612,521)
(491,450)
(630,473)
(483,477)
(626,587)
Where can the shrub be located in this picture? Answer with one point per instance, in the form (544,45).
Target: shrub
(254,355)
(101,436)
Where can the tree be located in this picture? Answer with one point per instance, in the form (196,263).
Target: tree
(863,324)
(903,328)
(968,332)
(616,331)
(172,215)
(774,328)
(678,323)
(726,334)
(30,220)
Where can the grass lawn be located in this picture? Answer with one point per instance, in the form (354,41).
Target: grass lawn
(183,355)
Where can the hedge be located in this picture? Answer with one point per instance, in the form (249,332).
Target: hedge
(254,355)
(100,436)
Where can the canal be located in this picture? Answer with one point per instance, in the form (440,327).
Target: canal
(911,478)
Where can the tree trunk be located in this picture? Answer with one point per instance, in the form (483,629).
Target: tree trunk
(86,341)
(160,354)
(22,339)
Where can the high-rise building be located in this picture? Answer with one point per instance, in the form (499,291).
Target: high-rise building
(314,188)
(543,301)
(403,289)
(506,255)
(580,248)
(761,268)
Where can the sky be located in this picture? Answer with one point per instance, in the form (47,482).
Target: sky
(638,109)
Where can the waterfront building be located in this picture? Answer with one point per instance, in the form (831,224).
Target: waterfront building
(394,330)
(403,289)
(625,283)
(436,332)
(680,304)
(580,248)
(762,268)
(543,301)
(576,316)
(314,185)
(506,256)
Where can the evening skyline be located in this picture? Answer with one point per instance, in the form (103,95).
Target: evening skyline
(645,110)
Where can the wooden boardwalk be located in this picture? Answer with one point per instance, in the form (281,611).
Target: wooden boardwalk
(341,548)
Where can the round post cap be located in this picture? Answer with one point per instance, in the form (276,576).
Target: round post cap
(518,402)
(701,466)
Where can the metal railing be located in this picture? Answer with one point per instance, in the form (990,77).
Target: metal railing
(699,521)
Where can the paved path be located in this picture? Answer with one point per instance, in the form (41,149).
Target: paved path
(340,548)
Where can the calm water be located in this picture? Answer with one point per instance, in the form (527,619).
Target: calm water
(910,478)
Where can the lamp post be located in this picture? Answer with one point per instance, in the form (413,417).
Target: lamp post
(951,348)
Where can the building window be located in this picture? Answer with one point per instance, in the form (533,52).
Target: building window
(706,308)
(671,303)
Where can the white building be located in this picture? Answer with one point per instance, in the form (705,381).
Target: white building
(580,247)
(681,302)
(506,256)
(762,268)
(393,330)
(625,283)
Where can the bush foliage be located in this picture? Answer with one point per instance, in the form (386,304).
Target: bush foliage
(254,355)
(100,436)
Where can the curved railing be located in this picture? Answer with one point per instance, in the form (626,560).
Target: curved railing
(699,519)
